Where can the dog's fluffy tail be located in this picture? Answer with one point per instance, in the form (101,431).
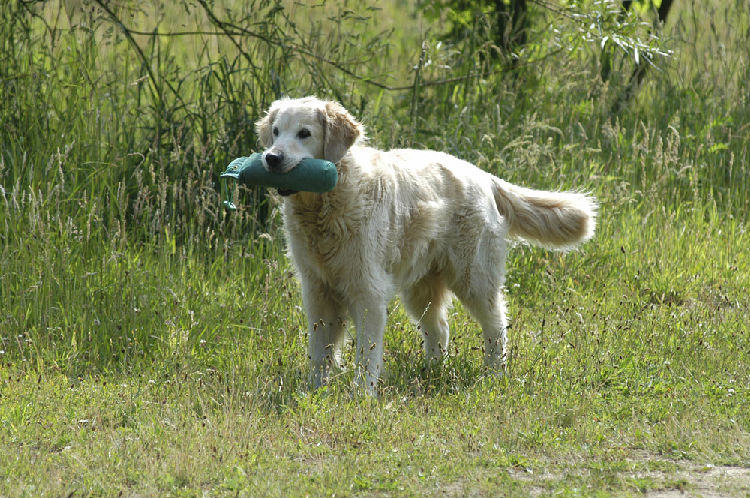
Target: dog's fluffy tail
(556,220)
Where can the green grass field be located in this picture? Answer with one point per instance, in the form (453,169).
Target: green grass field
(150,345)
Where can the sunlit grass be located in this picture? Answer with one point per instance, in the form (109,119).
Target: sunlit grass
(151,345)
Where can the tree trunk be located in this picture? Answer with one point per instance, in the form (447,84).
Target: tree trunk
(641,67)
(512,24)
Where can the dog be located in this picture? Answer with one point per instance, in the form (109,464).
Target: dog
(420,223)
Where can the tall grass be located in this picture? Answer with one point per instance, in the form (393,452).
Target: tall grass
(111,144)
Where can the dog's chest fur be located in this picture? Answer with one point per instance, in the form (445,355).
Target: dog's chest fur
(324,232)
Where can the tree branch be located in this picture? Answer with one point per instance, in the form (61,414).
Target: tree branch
(152,78)
(231,31)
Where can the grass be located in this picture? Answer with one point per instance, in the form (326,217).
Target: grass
(149,345)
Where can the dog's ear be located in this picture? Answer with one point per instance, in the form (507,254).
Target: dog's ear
(263,126)
(342,130)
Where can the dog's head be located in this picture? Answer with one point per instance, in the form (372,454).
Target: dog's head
(296,129)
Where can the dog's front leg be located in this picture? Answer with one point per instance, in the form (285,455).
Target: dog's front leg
(370,324)
(325,317)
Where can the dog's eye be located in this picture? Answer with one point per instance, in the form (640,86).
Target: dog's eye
(303,133)
(275,132)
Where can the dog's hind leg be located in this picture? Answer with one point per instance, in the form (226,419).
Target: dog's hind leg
(481,293)
(426,301)
(489,311)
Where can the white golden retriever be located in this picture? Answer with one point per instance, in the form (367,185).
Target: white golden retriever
(416,222)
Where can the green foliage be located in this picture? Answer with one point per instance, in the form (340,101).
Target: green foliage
(643,6)
(151,345)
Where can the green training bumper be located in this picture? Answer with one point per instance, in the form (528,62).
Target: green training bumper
(310,175)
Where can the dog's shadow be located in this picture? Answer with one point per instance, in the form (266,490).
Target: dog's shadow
(409,374)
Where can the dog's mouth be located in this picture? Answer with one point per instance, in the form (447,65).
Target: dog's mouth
(286,192)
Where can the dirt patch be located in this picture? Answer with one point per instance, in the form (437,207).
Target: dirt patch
(707,481)
(680,479)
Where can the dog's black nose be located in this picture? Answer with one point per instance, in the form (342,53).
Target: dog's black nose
(274,161)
